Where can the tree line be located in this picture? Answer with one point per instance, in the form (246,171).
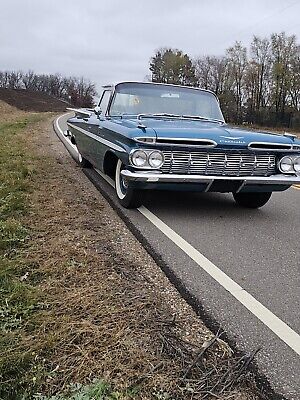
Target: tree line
(76,91)
(257,85)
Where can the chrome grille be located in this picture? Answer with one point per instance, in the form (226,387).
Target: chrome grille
(235,163)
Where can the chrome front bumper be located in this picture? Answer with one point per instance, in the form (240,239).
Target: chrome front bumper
(152,177)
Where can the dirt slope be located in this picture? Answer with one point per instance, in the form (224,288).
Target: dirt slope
(9,113)
(29,100)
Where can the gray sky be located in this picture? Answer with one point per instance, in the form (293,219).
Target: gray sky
(112,40)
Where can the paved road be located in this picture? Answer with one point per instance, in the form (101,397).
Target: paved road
(257,249)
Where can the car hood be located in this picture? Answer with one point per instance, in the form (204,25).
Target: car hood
(224,135)
(221,134)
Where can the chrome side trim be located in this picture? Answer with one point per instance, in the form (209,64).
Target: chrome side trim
(278,179)
(98,138)
(270,146)
(80,112)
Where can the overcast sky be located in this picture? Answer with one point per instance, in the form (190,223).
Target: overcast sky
(112,40)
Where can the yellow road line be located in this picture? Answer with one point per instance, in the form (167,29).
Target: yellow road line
(296,187)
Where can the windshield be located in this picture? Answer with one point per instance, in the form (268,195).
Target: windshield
(144,98)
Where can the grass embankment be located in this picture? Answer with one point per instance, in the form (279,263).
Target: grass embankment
(22,371)
(19,298)
(81,302)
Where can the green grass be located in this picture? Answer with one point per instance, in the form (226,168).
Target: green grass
(18,299)
(14,178)
(98,390)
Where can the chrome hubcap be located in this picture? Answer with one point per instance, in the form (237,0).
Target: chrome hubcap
(124,183)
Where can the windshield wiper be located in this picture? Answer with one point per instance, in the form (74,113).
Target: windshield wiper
(167,115)
(184,116)
(203,118)
(158,115)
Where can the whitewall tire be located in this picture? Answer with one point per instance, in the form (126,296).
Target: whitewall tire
(128,197)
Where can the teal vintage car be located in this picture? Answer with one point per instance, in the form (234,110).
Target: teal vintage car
(159,136)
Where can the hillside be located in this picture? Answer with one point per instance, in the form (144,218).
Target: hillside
(29,100)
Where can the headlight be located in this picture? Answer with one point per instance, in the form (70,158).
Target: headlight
(139,158)
(147,158)
(297,165)
(286,165)
(156,159)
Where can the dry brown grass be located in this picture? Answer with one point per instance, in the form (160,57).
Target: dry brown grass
(108,310)
(10,114)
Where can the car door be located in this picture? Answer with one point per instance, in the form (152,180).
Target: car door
(93,126)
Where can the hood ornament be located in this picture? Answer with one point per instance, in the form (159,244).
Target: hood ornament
(232,138)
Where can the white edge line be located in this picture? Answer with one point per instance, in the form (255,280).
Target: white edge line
(275,324)
(65,140)
(56,122)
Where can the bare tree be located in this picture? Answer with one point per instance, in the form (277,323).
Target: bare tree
(4,79)
(284,51)
(29,80)
(260,62)
(294,88)
(14,80)
(80,91)
(237,63)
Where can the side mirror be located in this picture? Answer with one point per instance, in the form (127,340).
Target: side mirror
(97,110)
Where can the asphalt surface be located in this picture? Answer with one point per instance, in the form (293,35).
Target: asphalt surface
(258,249)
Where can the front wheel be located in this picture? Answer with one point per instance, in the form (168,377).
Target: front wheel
(128,197)
(252,200)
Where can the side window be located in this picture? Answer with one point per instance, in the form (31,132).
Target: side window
(104,101)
